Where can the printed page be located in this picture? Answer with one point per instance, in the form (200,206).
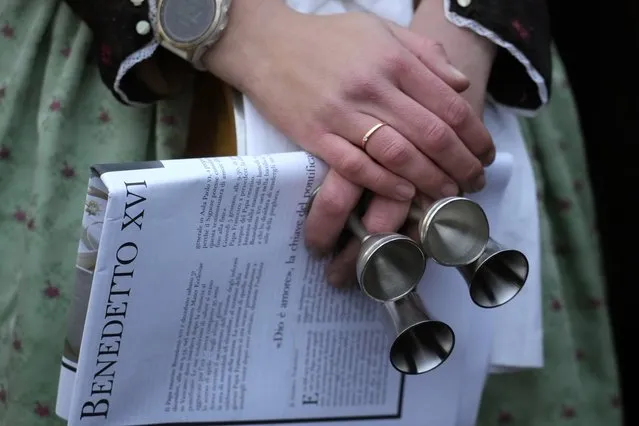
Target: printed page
(92,220)
(207,308)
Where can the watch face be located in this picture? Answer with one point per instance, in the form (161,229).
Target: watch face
(184,21)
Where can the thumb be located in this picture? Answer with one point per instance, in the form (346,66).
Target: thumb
(432,54)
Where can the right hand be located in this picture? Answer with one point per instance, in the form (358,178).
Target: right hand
(324,81)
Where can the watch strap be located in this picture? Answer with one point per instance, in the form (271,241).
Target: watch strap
(179,52)
(222,15)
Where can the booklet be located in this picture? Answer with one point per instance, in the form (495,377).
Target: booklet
(196,301)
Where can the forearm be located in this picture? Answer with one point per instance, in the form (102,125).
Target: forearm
(243,48)
(468,52)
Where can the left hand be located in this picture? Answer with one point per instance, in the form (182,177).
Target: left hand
(471,54)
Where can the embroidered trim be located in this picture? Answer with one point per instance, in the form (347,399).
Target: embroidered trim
(135,58)
(477,28)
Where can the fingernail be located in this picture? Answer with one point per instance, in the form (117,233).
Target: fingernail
(479,183)
(489,157)
(450,190)
(406,192)
(458,74)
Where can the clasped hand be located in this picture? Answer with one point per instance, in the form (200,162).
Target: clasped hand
(325,81)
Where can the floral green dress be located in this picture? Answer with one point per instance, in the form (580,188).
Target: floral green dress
(57,118)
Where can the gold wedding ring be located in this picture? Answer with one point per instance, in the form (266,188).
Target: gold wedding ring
(368,134)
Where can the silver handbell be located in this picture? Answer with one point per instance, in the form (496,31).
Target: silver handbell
(420,344)
(389,265)
(453,231)
(497,276)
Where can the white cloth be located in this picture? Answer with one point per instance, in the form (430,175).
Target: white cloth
(518,335)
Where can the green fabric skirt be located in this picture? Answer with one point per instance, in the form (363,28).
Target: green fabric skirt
(57,118)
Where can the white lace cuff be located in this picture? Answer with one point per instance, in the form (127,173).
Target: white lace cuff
(479,29)
(135,58)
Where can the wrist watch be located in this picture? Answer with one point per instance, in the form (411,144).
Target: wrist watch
(188,28)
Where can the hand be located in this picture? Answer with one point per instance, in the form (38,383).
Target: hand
(326,80)
(470,53)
